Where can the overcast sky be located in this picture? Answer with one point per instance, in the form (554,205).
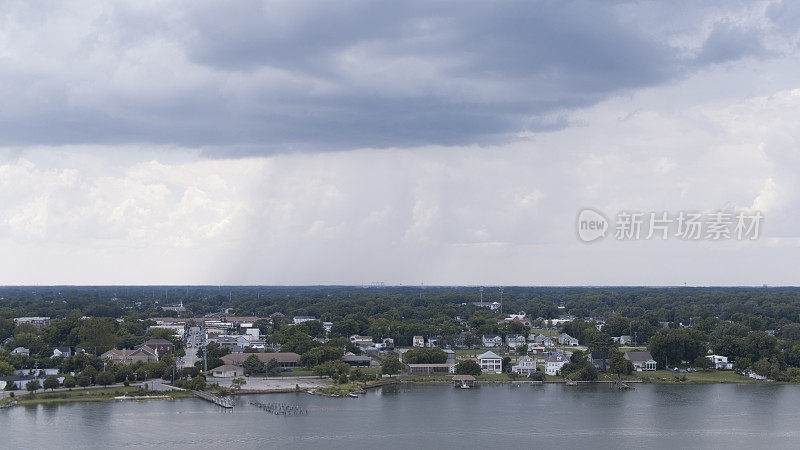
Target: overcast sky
(286,142)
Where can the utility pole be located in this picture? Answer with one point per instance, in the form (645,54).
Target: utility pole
(501,299)
(481,296)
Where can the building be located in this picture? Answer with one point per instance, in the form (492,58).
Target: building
(464,380)
(554,363)
(62,352)
(541,340)
(492,340)
(357,360)
(720,362)
(143,353)
(622,340)
(162,346)
(641,360)
(361,340)
(565,339)
(419,341)
(227,371)
(599,360)
(515,340)
(21,351)
(285,360)
(490,363)
(431,369)
(300,319)
(518,318)
(525,366)
(37,322)
(451,356)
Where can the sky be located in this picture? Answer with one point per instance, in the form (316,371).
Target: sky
(435,143)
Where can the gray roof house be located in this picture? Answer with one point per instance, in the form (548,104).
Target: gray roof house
(641,360)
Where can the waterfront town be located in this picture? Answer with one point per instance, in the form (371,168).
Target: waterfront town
(176,349)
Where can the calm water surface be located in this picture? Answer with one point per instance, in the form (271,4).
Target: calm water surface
(524,416)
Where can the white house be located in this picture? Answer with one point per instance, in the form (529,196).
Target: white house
(525,366)
(21,351)
(641,360)
(720,362)
(227,371)
(361,340)
(565,339)
(622,340)
(490,363)
(554,363)
(515,340)
(419,341)
(492,340)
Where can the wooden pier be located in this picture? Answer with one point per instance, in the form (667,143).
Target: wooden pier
(225,402)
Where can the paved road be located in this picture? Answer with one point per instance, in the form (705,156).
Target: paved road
(194,341)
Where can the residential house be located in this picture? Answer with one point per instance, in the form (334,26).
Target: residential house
(125,356)
(21,351)
(62,352)
(554,363)
(565,339)
(162,346)
(641,360)
(622,340)
(433,341)
(37,322)
(541,340)
(327,326)
(300,319)
(720,362)
(227,371)
(431,369)
(490,363)
(518,318)
(492,340)
(599,360)
(525,366)
(285,360)
(515,340)
(419,341)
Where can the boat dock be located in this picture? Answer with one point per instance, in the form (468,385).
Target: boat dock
(225,402)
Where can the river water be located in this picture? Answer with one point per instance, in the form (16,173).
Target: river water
(432,416)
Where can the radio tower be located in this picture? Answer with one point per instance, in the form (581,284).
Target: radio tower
(481,296)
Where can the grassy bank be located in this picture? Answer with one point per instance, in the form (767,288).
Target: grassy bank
(89,395)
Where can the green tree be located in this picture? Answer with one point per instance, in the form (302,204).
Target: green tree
(69,382)
(237,383)
(84,381)
(332,369)
(522,349)
(702,363)
(105,378)
(33,386)
(252,365)
(6,369)
(425,356)
(468,367)
(618,364)
(273,368)
(51,383)
(391,365)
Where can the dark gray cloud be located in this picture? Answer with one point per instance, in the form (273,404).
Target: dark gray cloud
(264,77)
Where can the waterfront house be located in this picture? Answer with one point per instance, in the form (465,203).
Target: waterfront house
(720,362)
(431,369)
(492,340)
(490,363)
(227,371)
(143,353)
(162,346)
(525,366)
(286,360)
(554,363)
(641,360)
(418,341)
(599,360)
(565,339)
(515,340)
